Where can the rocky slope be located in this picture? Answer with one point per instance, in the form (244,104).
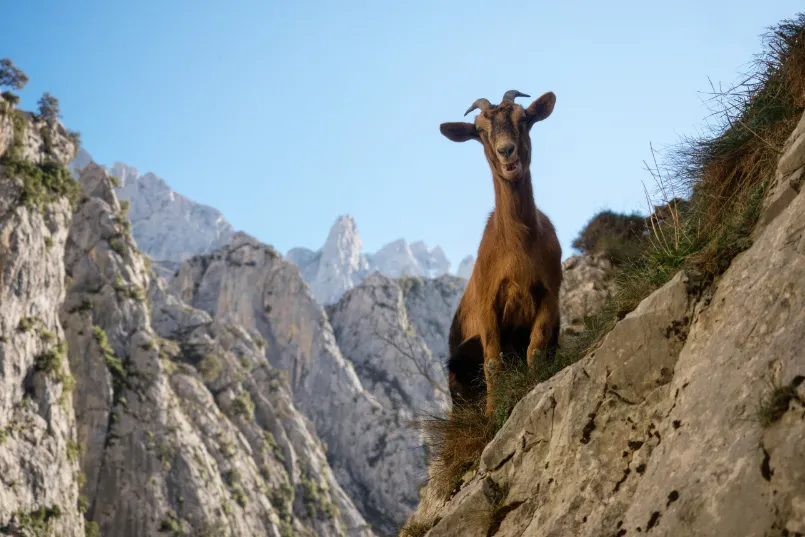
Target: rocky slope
(659,430)
(167,226)
(340,264)
(587,282)
(375,455)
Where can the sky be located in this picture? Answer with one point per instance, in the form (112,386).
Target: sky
(285,115)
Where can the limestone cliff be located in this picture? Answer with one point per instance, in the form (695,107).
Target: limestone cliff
(39,470)
(195,433)
(687,419)
(374,455)
(124,411)
(167,226)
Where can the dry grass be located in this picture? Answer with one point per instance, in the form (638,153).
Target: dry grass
(724,172)
(455,443)
(776,402)
(710,191)
(413,528)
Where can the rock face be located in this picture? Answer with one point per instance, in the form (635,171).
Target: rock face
(123,411)
(394,363)
(375,455)
(688,419)
(340,265)
(586,285)
(192,435)
(431,304)
(38,466)
(167,226)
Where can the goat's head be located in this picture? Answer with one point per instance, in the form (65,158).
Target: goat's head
(504,130)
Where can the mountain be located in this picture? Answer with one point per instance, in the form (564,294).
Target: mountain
(340,264)
(167,226)
(125,411)
(356,381)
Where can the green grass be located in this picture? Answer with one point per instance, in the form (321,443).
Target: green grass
(50,361)
(316,503)
(113,364)
(35,523)
(91,529)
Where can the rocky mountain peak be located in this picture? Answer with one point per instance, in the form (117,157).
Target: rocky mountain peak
(340,265)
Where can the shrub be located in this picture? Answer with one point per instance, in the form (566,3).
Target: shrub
(209,367)
(618,236)
(49,108)
(113,364)
(50,361)
(242,405)
(315,500)
(11,98)
(91,529)
(26,324)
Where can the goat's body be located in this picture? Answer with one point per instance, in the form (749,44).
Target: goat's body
(514,286)
(511,304)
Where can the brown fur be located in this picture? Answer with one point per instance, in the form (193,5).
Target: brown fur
(511,303)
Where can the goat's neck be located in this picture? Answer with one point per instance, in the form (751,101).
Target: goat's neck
(515,211)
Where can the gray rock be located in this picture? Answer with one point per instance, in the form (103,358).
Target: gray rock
(38,466)
(166,225)
(586,285)
(372,450)
(339,265)
(185,427)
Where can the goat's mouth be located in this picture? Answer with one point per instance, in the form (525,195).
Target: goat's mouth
(511,170)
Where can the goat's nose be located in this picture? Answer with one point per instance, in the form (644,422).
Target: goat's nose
(506,149)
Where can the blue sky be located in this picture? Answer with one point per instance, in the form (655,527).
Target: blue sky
(284,115)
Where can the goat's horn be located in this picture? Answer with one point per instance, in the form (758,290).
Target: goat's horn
(480,104)
(511,94)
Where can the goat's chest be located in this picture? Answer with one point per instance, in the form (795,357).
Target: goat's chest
(516,301)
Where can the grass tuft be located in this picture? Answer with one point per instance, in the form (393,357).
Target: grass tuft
(774,404)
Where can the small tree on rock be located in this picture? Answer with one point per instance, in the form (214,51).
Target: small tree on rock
(49,107)
(12,76)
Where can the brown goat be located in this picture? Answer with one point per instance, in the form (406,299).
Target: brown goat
(511,304)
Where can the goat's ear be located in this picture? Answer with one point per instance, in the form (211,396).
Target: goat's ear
(541,108)
(459,131)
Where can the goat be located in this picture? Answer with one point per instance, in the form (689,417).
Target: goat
(511,303)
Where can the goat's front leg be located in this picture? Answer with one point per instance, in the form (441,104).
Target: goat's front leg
(492,362)
(544,326)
